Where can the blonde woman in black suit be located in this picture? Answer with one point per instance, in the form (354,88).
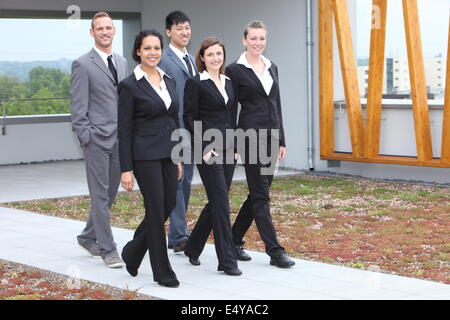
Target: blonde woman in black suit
(255,83)
(209,99)
(148,114)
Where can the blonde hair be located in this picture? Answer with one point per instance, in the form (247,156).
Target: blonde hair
(255,24)
(100,14)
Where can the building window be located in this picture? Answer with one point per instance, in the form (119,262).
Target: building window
(39,68)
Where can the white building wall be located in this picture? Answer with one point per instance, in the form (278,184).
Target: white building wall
(435,71)
(435,68)
(49,139)
(286,23)
(363,79)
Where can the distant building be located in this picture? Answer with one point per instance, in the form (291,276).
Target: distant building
(363,78)
(396,76)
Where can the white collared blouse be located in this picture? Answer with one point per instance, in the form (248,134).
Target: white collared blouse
(163,92)
(266,78)
(206,76)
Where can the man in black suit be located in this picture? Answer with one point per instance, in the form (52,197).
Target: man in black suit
(180,66)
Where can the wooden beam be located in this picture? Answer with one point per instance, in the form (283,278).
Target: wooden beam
(445,148)
(350,78)
(326,77)
(417,77)
(376,73)
(398,160)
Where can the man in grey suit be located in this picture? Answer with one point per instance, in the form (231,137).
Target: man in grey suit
(180,66)
(94,99)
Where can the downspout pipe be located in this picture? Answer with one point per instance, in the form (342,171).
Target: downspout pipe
(309,84)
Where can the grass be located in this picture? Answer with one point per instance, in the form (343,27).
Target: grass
(396,228)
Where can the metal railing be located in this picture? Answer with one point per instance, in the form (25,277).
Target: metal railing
(4,102)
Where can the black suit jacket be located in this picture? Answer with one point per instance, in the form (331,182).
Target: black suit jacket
(204,102)
(258,110)
(145,125)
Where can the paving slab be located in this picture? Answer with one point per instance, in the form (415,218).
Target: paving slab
(50,243)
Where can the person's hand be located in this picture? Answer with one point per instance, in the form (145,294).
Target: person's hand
(180,171)
(282,153)
(127,181)
(210,154)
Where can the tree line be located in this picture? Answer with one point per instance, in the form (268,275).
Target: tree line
(42,83)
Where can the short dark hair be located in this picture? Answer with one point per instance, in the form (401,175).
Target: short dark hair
(206,43)
(138,41)
(176,17)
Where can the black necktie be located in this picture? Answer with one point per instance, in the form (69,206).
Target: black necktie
(188,62)
(112,68)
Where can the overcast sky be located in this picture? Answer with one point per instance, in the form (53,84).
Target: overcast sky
(42,39)
(434,22)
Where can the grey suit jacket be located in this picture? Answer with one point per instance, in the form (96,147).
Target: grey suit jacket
(176,69)
(94,98)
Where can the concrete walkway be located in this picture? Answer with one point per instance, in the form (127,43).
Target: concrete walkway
(50,243)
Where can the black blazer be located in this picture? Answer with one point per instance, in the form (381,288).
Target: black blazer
(204,102)
(145,125)
(258,110)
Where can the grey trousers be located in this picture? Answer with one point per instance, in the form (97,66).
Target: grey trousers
(103,177)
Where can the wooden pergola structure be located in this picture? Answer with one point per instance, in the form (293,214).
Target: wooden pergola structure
(365,140)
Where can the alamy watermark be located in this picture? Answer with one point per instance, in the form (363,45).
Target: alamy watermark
(254,146)
(74,18)
(376,17)
(74,280)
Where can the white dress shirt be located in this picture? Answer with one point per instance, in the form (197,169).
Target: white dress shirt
(180,54)
(105,56)
(162,92)
(206,76)
(265,78)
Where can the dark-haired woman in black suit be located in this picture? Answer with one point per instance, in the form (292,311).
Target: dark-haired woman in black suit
(255,82)
(209,99)
(148,114)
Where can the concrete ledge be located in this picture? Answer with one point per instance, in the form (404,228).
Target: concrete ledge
(45,118)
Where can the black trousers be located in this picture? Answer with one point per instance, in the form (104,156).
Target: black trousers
(257,205)
(215,216)
(157,181)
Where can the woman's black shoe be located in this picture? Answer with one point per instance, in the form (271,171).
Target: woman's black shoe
(170,284)
(281,261)
(193,261)
(132,271)
(233,272)
(241,254)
